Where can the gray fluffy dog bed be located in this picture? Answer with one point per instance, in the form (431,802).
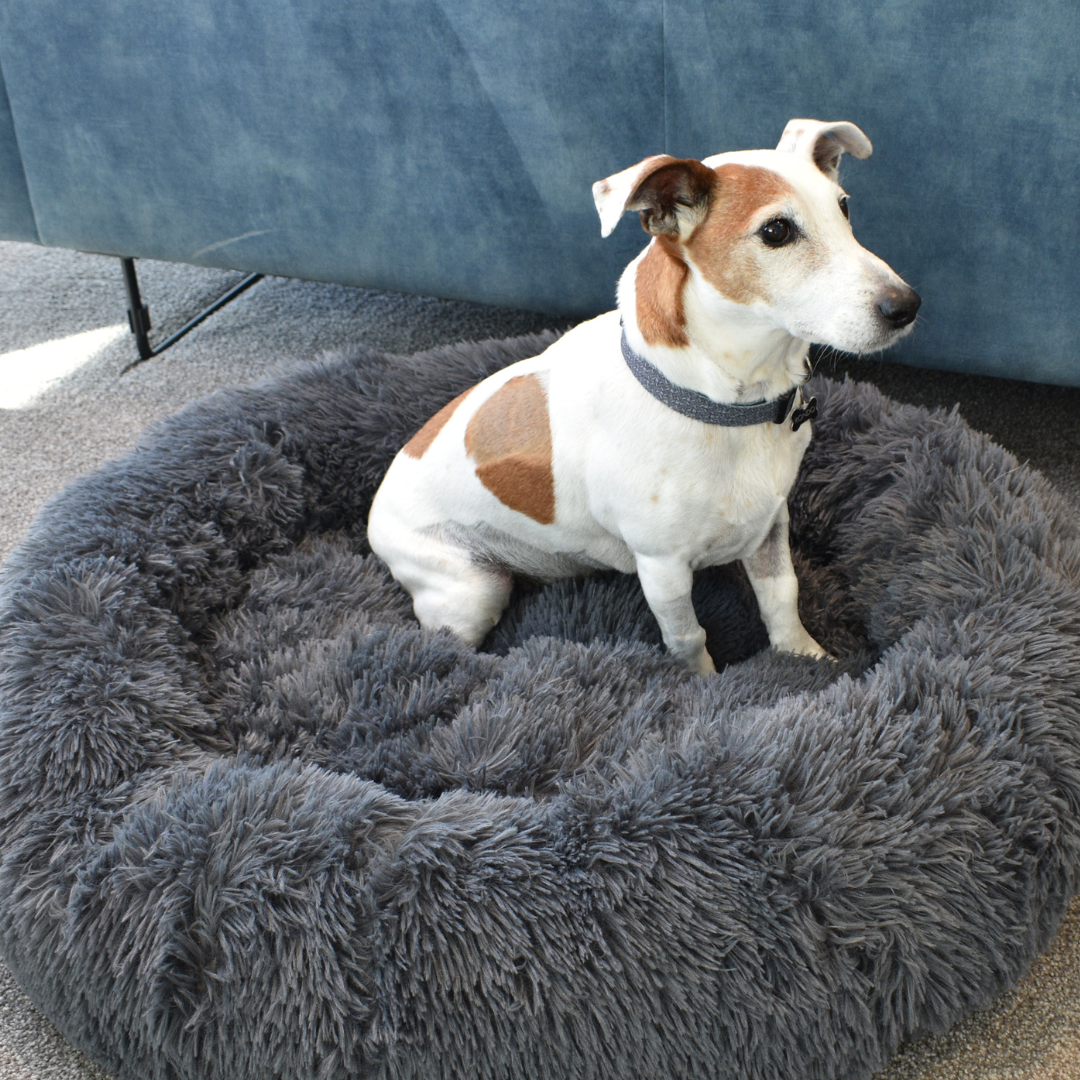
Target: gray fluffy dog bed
(255,823)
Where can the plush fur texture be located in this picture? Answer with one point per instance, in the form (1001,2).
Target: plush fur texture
(255,823)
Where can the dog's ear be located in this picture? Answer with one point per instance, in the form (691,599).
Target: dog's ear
(825,143)
(671,194)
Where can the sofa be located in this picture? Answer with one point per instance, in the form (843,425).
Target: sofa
(447,147)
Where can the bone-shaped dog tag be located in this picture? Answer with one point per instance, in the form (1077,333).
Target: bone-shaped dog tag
(807,412)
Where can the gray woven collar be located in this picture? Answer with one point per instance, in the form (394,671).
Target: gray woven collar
(699,407)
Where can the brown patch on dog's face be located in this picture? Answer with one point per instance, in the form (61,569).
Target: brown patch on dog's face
(509,438)
(658,292)
(418,445)
(722,246)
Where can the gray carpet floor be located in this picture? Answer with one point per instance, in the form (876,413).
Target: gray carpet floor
(72,423)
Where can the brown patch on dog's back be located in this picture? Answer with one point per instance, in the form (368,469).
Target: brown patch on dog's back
(418,445)
(658,296)
(509,438)
(739,197)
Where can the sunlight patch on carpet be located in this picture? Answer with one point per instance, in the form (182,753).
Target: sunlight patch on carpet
(25,374)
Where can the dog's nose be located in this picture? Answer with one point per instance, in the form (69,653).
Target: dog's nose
(899,306)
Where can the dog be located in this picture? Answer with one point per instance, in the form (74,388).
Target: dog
(663,436)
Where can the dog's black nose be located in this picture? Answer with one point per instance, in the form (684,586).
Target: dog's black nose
(898,307)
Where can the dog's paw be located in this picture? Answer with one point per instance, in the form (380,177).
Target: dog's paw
(702,664)
(803,645)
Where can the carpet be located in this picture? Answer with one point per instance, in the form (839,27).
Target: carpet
(560,853)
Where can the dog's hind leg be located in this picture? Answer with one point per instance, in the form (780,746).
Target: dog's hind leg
(447,586)
(470,603)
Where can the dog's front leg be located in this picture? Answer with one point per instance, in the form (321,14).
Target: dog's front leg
(667,584)
(772,575)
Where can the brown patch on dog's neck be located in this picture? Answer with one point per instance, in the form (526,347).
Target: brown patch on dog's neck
(738,198)
(418,445)
(509,438)
(658,295)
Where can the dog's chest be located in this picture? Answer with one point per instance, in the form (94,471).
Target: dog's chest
(713,499)
(664,483)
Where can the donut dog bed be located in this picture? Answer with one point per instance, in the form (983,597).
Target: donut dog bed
(255,822)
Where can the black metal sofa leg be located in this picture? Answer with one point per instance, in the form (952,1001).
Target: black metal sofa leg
(139,313)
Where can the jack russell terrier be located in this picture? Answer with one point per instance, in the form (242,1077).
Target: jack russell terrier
(664,436)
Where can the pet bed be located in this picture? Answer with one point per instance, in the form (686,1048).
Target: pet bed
(255,823)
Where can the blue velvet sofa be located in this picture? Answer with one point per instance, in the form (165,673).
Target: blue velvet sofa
(448,146)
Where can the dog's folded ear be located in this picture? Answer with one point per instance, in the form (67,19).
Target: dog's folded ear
(825,143)
(671,194)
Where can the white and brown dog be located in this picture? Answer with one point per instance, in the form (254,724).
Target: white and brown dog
(663,436)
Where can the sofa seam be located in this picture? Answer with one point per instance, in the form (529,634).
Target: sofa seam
(18,148)
(663,71)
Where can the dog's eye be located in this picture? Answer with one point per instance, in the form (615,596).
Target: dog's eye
(777,232)
(843,207)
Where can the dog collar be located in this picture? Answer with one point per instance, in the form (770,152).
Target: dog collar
(699,407)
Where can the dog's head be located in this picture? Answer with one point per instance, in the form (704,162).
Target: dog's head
(768,231)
